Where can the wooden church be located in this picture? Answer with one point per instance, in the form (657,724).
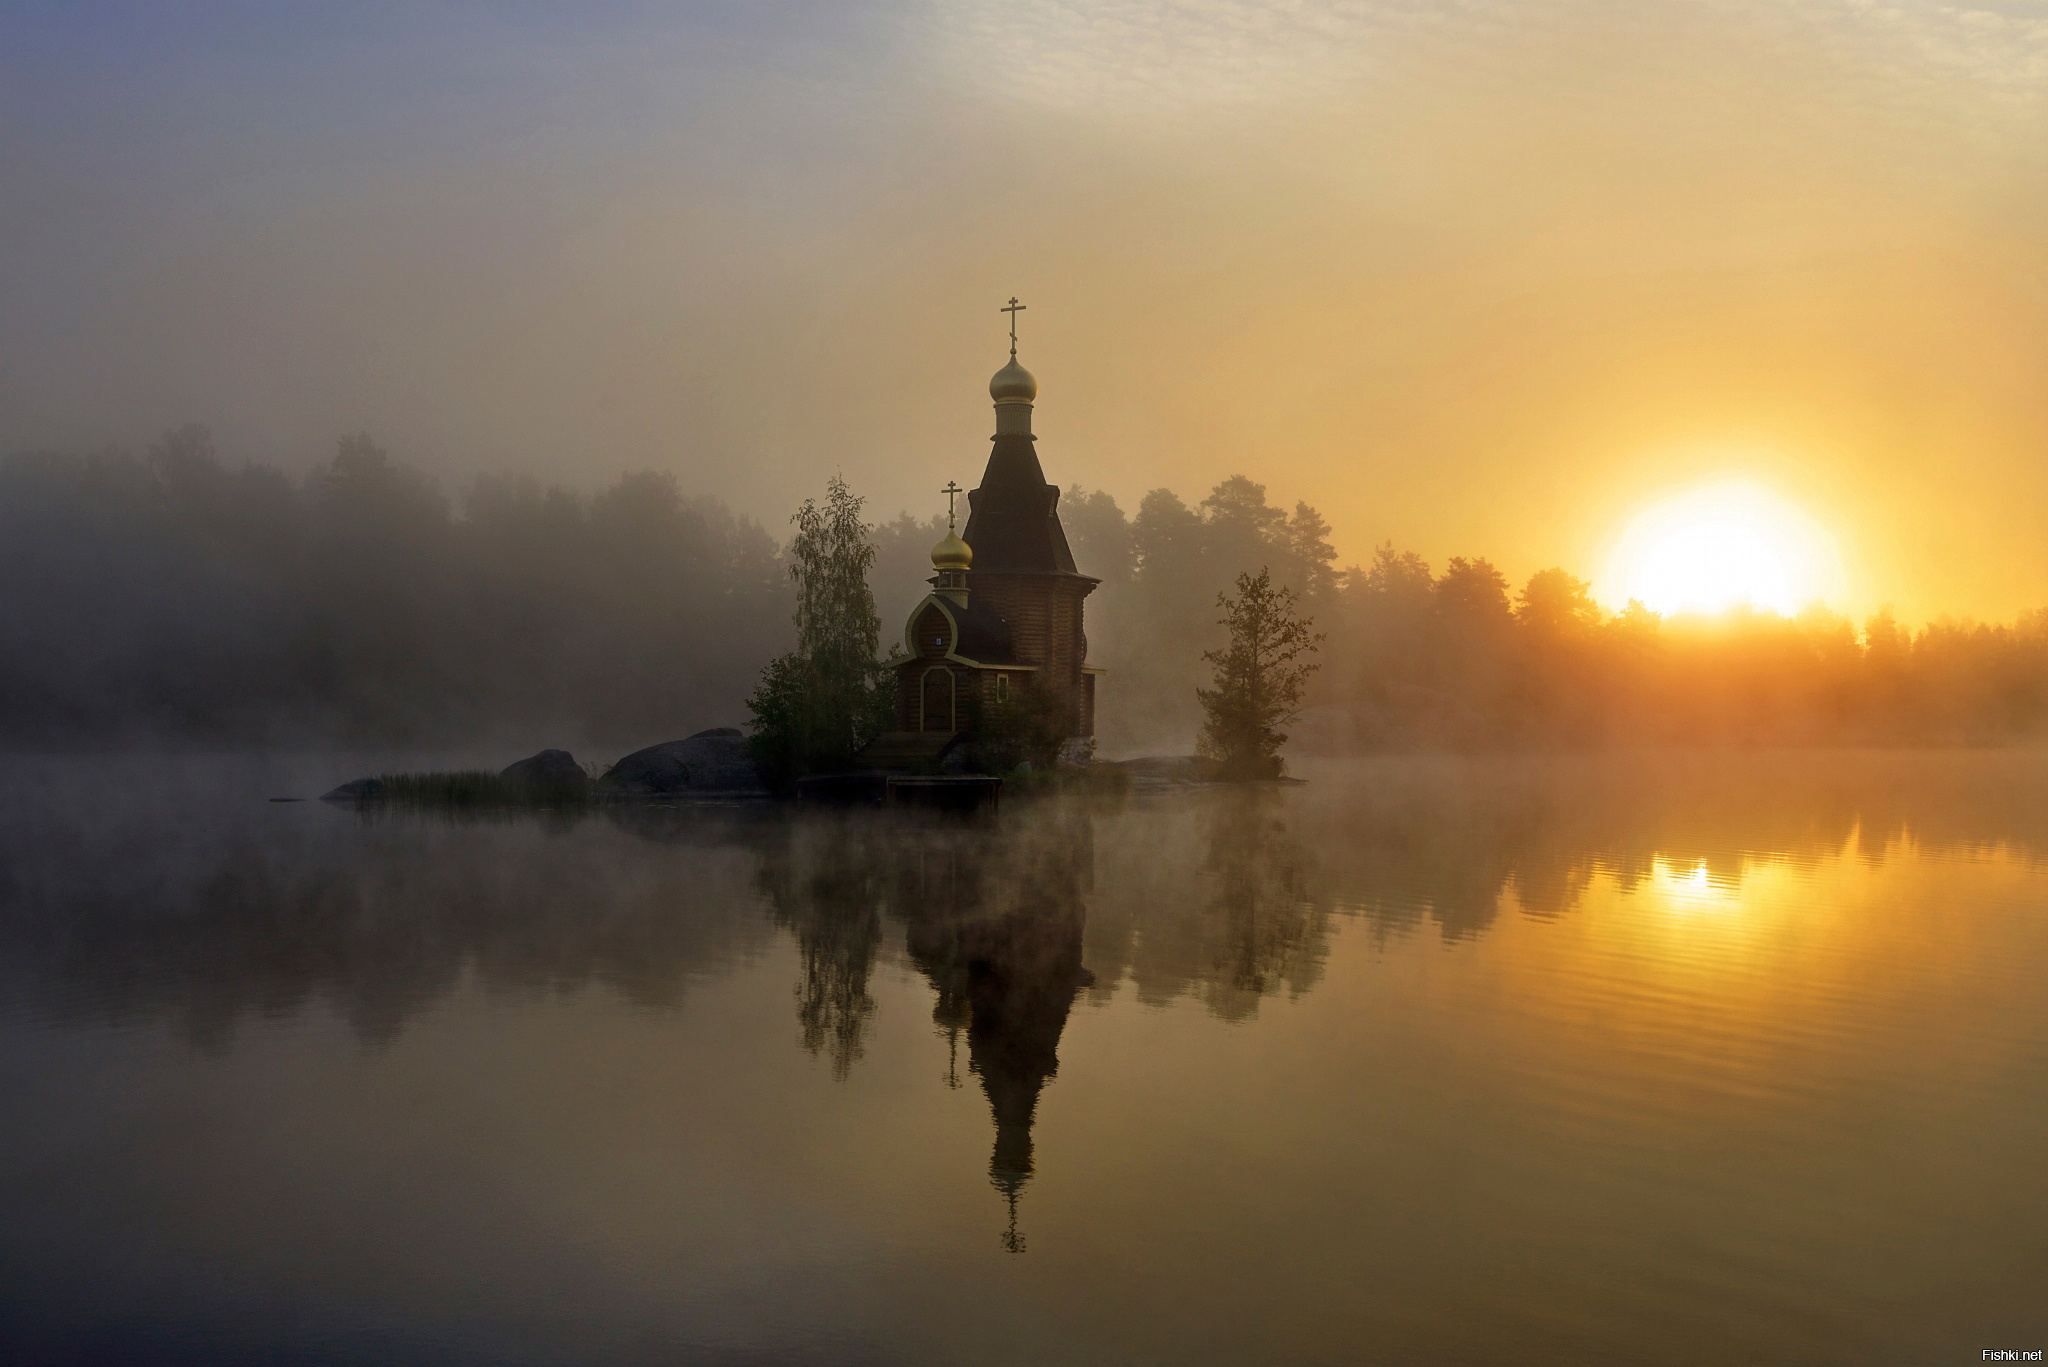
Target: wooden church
(1005,610)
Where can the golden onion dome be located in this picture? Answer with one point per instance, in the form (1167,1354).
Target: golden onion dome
(952,554)
(1013,384)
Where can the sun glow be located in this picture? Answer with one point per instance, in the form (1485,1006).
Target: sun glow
(1721,547)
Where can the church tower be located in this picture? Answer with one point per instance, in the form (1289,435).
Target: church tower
(1022,566)
(1006,610)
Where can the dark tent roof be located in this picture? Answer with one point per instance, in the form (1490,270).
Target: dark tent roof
(984,635)
(1014,522)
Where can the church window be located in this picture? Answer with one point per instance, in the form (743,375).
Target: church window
(1002,688)
(933,634)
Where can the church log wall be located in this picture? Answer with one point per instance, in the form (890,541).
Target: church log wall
(1046,617)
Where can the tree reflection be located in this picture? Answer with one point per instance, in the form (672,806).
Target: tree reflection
(1272,931)
(204,917)
(207,924)
(825,884)
(1220,899)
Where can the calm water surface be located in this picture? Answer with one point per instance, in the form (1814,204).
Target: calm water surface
(1642,1060)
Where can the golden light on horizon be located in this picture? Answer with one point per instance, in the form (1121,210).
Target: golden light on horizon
(1721,547)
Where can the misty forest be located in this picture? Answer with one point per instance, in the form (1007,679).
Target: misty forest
(178,598)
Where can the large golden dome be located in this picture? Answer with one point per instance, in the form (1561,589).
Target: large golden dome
(1013,384)
(952,554)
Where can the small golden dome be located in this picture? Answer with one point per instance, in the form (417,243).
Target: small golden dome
(1013,384)
(952,554)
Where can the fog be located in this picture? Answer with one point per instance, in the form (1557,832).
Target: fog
(172,599)
(179,895)
(1486,275)
(176,599)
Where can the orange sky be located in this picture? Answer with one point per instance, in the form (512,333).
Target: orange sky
(1483,279)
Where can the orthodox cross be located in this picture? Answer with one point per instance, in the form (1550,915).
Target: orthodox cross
(1013,308)
(951,491)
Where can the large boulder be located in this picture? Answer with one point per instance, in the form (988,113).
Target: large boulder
(356,790)
(714,761)
(550,771)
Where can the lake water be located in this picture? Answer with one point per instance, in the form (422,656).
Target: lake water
(1645,1059)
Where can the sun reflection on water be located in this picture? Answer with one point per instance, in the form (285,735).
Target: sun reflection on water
(1692,890)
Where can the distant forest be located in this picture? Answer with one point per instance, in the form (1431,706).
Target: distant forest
(173,598)
(1462,659)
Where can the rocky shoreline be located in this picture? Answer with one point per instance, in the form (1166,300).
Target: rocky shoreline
(710,765)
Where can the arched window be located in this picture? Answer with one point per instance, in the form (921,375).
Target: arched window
(934,633)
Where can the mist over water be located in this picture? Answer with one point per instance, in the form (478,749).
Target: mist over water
(1642,402)
(1700,1058)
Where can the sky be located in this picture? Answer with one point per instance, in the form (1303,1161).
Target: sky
(1487,278)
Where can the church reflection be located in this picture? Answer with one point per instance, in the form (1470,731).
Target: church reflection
(993,915)
(1001,942)
(206,920)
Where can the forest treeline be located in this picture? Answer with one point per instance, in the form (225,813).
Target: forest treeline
(171,597)
(174,597)
(1460,658)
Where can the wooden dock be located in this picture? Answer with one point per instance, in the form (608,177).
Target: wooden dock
(881,788)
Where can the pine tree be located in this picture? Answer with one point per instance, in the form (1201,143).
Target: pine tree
(1259,678)
(817,706)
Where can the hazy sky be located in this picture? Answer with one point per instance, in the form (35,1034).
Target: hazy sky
(1480,278)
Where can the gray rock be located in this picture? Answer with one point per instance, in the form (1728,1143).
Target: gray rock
(714,761)
(357,790)
(552,769)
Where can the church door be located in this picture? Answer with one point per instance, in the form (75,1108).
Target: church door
(938,701)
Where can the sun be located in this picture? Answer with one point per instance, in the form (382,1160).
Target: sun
(1720,547)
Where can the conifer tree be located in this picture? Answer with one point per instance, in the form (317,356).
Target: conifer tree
(817,706)
(1259,678)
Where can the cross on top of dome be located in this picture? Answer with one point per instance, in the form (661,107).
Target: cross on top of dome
(1013,384)
(1013,308)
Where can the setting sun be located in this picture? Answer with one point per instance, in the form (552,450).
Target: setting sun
(1722,547)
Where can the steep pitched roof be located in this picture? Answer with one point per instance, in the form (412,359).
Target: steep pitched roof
(1014,522)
